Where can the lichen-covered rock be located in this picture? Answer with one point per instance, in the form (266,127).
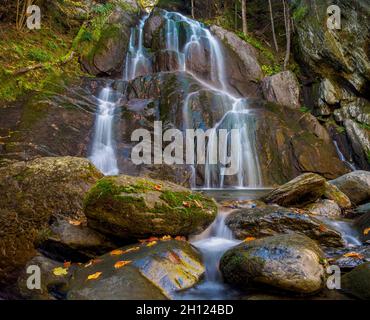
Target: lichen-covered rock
(356,185)
(282,88)
(291,263)
(273,220)
(137,208)
(327,208)
(30,194)
(300,191)
(357,282)
(154,271)
(333,193)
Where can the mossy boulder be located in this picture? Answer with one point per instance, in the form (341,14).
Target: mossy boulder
(357,282)
(333,193)
(30,194)
(154,271)
(273,220)
(137,208)
(288,263)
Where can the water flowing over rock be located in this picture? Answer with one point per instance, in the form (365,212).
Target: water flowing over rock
(137,208)
(291,263)
(273,220)
(28,200)
(302,190)
(356,185)
(153,272)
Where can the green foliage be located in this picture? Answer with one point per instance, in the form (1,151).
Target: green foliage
(368,156)
(304,109)
(37,54)
(86,36)
(270,70)
(365,126)
(102,9)
(340,129)
(52,45)
(300,13)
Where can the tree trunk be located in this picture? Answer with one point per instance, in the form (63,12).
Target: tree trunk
(244,16)
(287,29)
(192,9)
(273,27)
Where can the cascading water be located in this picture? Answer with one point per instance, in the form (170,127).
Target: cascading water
(238,116)
(103,154)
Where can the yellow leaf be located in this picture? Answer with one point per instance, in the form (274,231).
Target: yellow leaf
(92,262)
(248,239)
(354,255)
(198,204)
(117,252)
(131,249)
(151,244)
(94,276)
(60,271)
(121,264)
(166,238)
(366,231)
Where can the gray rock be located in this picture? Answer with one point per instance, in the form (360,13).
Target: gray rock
(327,208)
(357,282)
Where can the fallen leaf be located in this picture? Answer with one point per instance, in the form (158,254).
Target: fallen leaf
(180,238)
(322,228)
(158,187)
(75,223)
(117,252)
(366,231)
(60,271)
(354,255)
(166,238)
(67,264)
(149,240)
(186,204)
(131,249)
(151,244)
(248,239)
(121,264)
(94,276)
(198,204)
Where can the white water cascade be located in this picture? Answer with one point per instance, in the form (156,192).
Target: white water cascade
(103,154)
(238,116)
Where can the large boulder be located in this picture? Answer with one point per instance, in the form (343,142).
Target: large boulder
(136,208)
(291,263)
(273,220)
(356,185)
(327,208)
(302,190)
(334,194)
(30,194)
(106,52)
(362,224)
(282,88)
(357,282)
(150,271)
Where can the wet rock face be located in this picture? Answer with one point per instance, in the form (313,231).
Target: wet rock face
(302,190)
(356,185)
(282,88)
(286,263)
(30,194)
(362,223)
(357,282)
(325,208)
(137,208)
(273,220)
(334,194)
(156,271)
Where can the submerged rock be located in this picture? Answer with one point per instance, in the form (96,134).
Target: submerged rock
(273,220)
(356,185)
(286,262)
(137,208)
(30,194)
(302,190)
(357,282)
(282,88)
(150,271)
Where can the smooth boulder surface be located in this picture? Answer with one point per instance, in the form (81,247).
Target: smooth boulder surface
(282,88)
(137,208)
(357,282)
(300,191)
(150,271)
(327,208)
(334,194)
(356,185)
(273,220)
(30,194)
(289,263)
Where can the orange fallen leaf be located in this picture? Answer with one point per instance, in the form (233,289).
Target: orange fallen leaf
(186,204)
(121,264)
(322,228)
(158,187)
(149,240)
(354,255)
(366,231)
(75,223)
(248,239)
(92,262)
(180,238)
(151,244)
(117,252)
(67,264)
(131,250)
(166,238)
(94,276)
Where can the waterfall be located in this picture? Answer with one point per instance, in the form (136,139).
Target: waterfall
(103,154)
(137,61)
(342,157)
(238,117)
